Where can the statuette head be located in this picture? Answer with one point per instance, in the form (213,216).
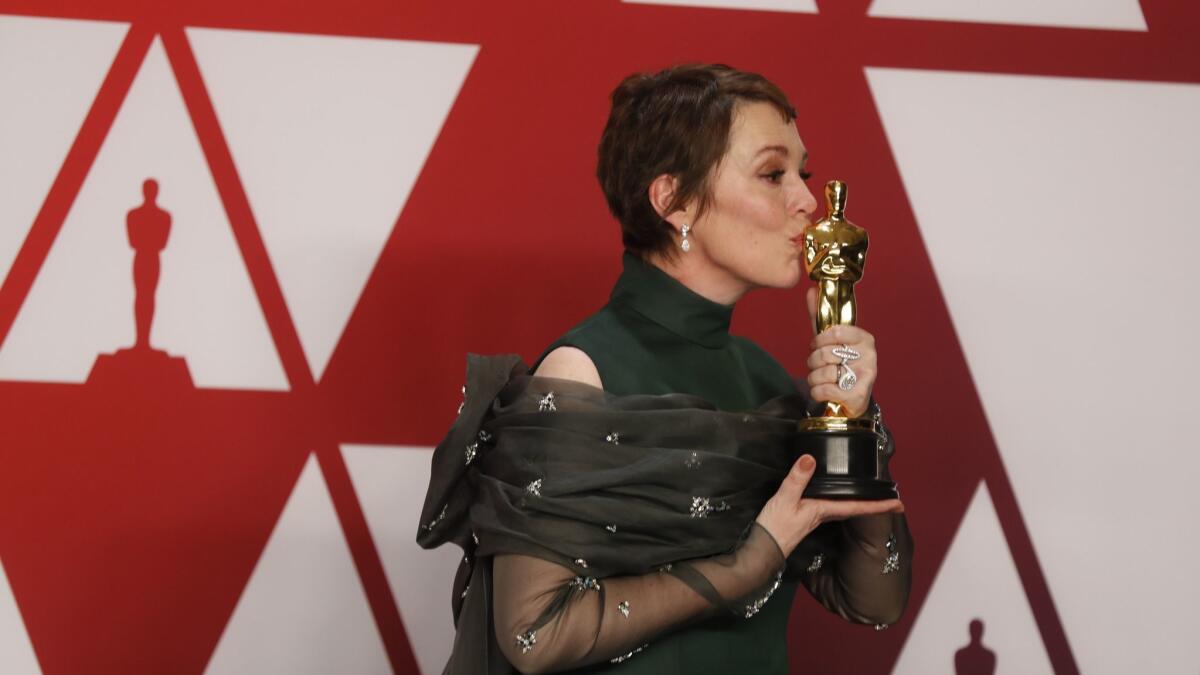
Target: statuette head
(835,200)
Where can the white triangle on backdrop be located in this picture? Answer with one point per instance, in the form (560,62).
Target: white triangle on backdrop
(977,580)
(16,651)
(806,6)
(50,72)
(81,303)
(390,482)
(1057,216)
(304,609)
(1114,14)
(329,135)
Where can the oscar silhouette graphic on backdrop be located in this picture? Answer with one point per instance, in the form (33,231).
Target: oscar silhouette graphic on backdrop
(975,659)
(148,226)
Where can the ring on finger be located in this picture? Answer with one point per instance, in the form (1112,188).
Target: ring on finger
(846,377)
(846,353)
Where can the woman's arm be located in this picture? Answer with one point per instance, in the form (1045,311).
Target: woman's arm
(547,619)
(860,569)
(570,363)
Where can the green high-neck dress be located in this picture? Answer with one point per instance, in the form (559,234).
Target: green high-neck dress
(655,336)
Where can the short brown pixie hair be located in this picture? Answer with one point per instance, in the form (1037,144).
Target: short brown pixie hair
(676,122)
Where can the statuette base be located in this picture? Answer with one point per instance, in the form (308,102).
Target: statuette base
(850,464)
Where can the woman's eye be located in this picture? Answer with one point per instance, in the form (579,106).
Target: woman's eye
(805,175)
(774,176)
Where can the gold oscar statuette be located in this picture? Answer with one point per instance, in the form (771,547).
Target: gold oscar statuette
(851,452)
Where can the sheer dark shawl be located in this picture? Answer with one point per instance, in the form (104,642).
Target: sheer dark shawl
(600,484)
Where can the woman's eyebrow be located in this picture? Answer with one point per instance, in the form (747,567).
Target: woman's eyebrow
(782,149)
(774,148)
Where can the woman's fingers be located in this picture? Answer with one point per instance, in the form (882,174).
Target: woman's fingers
(810,299)
(825,371)
(822,375)
(857,400)
(824,356)
(842,334)
(797,479)
(828,375)
(789,517)
(837,509)
(783,516)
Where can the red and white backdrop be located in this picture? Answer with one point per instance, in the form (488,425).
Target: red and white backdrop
(359,193)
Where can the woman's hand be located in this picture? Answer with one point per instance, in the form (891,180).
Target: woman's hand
(789,517)
(823,368)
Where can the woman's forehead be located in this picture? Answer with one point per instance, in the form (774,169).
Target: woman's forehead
(759,130)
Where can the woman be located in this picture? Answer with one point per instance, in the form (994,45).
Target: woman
(632,507)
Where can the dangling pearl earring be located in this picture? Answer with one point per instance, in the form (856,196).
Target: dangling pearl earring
(685,244)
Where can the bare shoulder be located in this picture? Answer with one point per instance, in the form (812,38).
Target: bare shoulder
(570,363)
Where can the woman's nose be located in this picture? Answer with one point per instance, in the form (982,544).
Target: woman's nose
(803,200)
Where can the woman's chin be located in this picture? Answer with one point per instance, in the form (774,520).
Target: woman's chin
(782,281)
(789,277)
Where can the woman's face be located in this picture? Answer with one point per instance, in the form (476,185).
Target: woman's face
(752,232)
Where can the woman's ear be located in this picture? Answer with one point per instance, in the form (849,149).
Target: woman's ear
(662,193)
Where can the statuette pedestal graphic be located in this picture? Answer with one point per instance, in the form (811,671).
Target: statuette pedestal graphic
(143,366)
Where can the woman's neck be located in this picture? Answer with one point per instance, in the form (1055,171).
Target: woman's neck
(701,277)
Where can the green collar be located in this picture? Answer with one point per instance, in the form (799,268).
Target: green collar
(655,295)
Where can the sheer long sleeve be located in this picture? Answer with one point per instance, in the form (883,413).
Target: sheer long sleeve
(547,619)
(860,569)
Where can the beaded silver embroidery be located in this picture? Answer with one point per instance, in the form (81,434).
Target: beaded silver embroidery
(882,436)
(581,563)
(463,404)
(611,528)
(526,641)
(881,626)
(702,507)
(475,538)
(433,523)
(614,438)
(585,584)
(756,606)
(546,403)
(535,488)
(623,608)
(665,568)
(464,593)
(693,461)
(471,450)
(485,435)
(626,657)
(892,562)
(817,561)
